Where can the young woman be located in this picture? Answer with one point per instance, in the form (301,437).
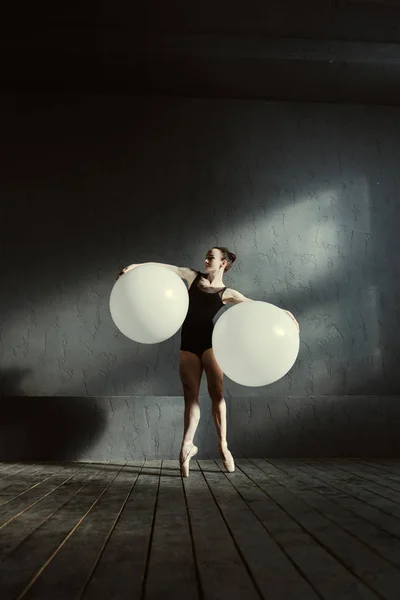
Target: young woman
(207,294)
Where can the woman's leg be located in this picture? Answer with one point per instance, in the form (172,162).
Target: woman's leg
(215,378)
(190,370)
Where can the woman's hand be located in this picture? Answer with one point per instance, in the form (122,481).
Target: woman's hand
(292,317)
(126,270)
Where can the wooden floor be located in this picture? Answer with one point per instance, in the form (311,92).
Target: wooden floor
(294,529)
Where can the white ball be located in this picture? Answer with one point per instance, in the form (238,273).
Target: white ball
(255,343)
(149,304)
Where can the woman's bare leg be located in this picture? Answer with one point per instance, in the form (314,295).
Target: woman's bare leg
(190,370)
(219,415)
(191,419)
(215,389)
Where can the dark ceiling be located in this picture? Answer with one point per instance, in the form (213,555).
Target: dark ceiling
(336,51)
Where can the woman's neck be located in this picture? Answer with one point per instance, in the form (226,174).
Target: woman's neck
(216,281)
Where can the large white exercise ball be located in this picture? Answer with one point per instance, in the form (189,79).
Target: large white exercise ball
(255,343)
(149,304)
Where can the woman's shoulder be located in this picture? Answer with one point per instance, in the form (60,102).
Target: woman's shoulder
(195,277)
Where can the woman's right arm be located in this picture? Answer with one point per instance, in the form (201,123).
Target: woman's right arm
(183,272)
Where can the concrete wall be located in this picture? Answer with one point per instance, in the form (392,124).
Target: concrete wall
(305,194)
(119,429)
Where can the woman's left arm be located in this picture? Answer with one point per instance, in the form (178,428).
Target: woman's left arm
(235,297)
(292,317)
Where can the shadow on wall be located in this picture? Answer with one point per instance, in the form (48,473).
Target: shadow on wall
(301,427)
(46,428)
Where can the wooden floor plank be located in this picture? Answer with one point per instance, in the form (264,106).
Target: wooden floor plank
(328,575)
(19,568)
(36,493)
(358,558)
(14,470)
(383,465)
(389,464)
(18,529)
(18,475)
(321,496)
(221,569)
(120,570)
(384,474)
(383,486)
(67,573)
(378,495)
(355,499)
(5,466)
(171,570)
(19,481)
(300,529)
(274,572)
(20,484)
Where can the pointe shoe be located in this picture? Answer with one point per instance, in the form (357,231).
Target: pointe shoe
(185,463)
(227,457)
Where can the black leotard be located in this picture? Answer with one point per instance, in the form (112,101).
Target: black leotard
(197,328)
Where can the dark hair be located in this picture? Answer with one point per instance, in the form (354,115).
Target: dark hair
(226,255)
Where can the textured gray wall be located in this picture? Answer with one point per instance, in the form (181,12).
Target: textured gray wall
(305,194)
(119,429)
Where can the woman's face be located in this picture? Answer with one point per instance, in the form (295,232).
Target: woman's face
(213,260)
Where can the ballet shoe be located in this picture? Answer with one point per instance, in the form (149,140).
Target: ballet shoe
(227,457)
(185,463)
